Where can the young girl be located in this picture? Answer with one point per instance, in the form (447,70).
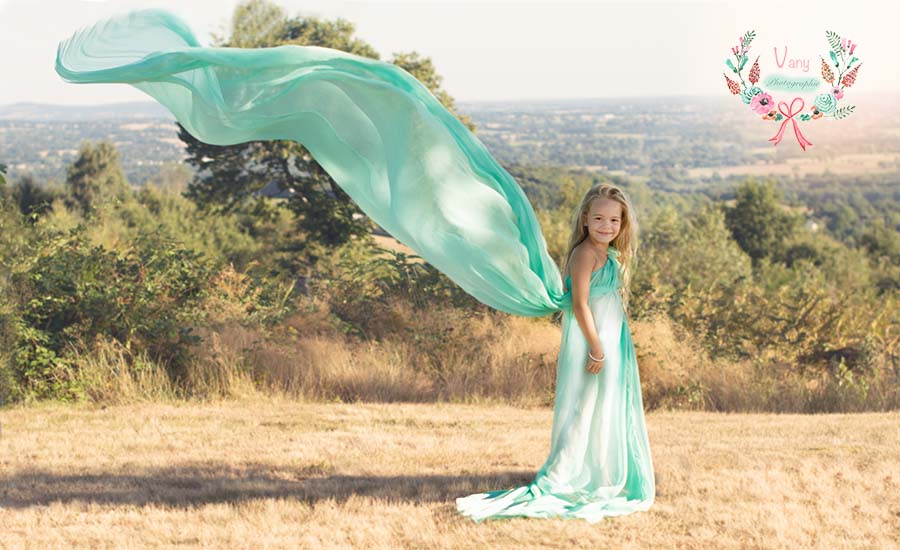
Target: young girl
(597,223)
(599,463)
(419,173)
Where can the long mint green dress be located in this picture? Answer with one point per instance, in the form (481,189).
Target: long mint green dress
(425,178)
(599,463)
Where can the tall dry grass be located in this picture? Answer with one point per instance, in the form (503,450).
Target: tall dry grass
(451,356)
(454,356)
(110,373)
(677,373)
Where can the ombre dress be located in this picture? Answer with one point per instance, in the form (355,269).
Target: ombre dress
(599,463)
(424,177)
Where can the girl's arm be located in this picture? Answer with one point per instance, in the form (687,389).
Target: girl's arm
(580,271)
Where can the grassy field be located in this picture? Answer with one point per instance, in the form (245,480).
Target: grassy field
(266,473)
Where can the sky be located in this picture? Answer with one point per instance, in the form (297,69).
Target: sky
(502,50)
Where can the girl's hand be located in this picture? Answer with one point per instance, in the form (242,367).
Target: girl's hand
(595,366)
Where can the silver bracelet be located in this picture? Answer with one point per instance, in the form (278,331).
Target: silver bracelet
(591,355)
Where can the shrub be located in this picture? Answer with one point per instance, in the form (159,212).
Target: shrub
(145,297)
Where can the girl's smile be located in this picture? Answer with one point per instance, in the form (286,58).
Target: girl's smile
(603,220)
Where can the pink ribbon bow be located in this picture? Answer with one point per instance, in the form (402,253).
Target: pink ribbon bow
(789,115)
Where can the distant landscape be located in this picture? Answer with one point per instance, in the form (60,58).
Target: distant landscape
(778,266)
(671,143)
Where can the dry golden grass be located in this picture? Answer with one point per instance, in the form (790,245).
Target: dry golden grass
(855,163)
(458,358)
(393,244)
(271,472)
(451,357)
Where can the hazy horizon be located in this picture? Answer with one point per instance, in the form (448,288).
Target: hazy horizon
(714,96)
(501,50)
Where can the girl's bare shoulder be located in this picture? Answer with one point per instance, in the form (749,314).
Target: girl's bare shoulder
(586,254)
(583,259)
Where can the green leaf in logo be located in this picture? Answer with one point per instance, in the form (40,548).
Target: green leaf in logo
(748,38)
(730,65)
(844,112)
(834,58)
(834,40)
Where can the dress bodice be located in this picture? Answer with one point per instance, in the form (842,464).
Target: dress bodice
(604,280)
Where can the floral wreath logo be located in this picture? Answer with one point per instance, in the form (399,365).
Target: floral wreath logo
(824,105)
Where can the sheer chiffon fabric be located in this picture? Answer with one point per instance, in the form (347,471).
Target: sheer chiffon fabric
(425,178)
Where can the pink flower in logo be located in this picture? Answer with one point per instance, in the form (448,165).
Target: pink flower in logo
(838,92)
(761,103)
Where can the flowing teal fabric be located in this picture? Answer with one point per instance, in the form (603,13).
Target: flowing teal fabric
(425,178)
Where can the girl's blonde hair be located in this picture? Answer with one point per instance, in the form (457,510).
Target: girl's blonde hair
(625,243)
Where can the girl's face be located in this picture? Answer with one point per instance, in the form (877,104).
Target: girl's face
(603,220)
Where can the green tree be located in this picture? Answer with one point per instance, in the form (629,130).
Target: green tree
(881,240)
(229,178)
(32,197)
(95,178)
(758,221)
